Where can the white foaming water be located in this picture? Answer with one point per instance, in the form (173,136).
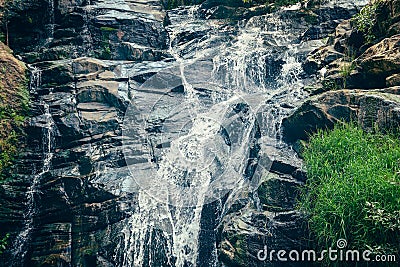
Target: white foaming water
(19,249)
(183,179)
(51,25)
(259,67)
(86,33)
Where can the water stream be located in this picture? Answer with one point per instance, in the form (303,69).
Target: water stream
(197,133)
(21,242)
(213,153)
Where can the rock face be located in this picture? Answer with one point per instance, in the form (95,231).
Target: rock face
(372,110)
(131,30)
(369,69)
(13,107)
(351,60)
(380,61)
(56,213)
(89,60)
(71,215)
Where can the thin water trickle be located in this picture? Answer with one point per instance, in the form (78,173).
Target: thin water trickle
(21,242)
(51,24)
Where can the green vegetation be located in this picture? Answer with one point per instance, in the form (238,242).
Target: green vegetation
(11,122)
(14,106)
(345,71)
(279,3)
(347,67)
(328,85)
(353,189)
(106,45)
(3,243)
(108,29)
(365,21)
(275,2)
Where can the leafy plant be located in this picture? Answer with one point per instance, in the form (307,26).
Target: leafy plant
(106,51)
(365,20)
(3,243)
(353,188)
(346,69)
(328,84)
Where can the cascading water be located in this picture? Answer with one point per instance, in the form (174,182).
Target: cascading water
(210,156)
(51,23)
(195,137)
(21,242)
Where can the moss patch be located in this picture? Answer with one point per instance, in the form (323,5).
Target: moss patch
(14,103)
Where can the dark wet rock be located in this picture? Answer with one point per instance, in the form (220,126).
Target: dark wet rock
(278,194)
(235,13)
(378,63)
(370,109)
(208,4)
(245,233)
(393,80)
(83,200)
(71,29)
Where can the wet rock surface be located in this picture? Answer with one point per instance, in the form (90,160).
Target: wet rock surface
(360,76)
(89,61)
(372,110)
(131,30)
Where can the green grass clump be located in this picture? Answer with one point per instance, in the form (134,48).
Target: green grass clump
(353,189)
(108,29)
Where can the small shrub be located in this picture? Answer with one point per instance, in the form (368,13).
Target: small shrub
(346,69)
(108,29)
(328,85)
(3,243)
(365,21)
(353,188)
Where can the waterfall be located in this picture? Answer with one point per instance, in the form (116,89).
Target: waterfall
(196,135)
(51,25)
(86,33)
(210,156)
(46,122)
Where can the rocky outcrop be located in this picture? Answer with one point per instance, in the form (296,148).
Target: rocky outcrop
(271,219)
(380,62)
(78,210)
(70,29)
(13,83)
(372,110)
(13,111)
(71,215)
(57,215)
(369,67)
(358,58)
